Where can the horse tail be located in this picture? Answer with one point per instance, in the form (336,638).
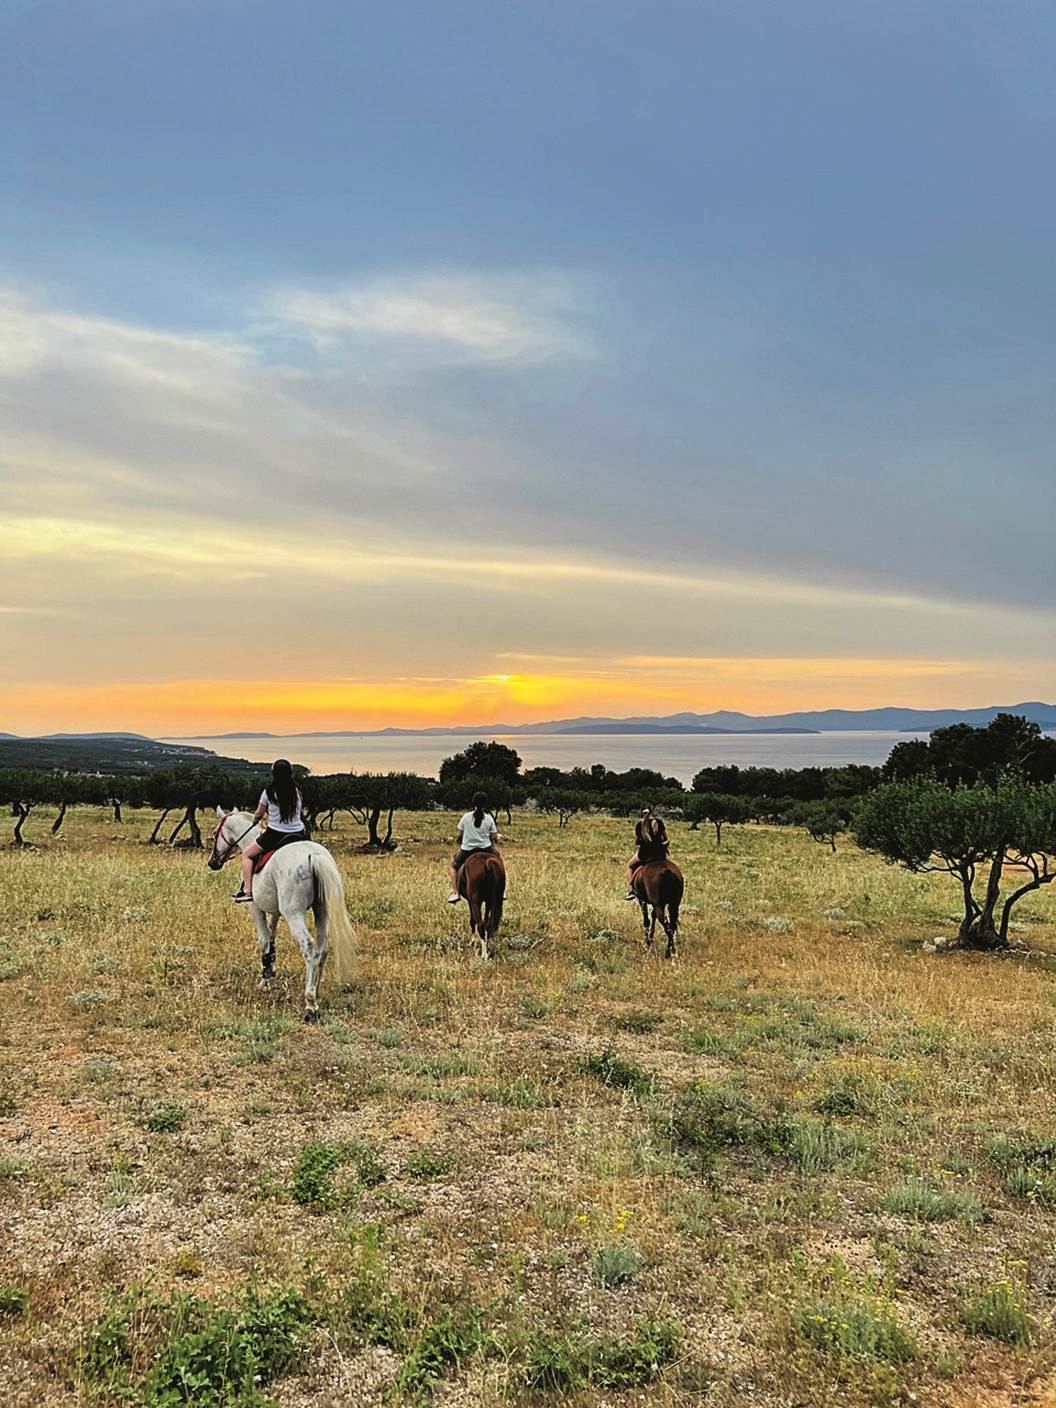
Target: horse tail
(498,898)
(340,934)
(674,886)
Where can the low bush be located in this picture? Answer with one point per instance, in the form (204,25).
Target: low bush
(1000,1312)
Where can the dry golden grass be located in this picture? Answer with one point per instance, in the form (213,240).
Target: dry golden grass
(155,1106)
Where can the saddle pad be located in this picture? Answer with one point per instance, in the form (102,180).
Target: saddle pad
(262,861)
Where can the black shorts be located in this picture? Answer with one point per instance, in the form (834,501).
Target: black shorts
(269,840)
(649,855)
(461,856)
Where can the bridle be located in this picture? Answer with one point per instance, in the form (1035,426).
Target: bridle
(232,846)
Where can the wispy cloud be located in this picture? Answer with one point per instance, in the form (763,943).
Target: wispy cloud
(505,319)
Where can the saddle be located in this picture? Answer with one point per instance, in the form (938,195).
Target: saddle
(261,861)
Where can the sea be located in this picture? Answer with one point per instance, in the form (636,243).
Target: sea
(675,755)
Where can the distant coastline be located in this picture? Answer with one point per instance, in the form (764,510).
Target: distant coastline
(721,722)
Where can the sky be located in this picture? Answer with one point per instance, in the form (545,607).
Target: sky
(425,363)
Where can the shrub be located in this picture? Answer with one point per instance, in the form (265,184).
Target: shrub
(816,1145)
(925,1204)
(854,1329)
(1029,1168)
(1000,1312)
(569,1363)
(200,1353)
(610,1069)
(13,1299)
(165,1119)
(429,1163)
(615,1264)
(313,1178)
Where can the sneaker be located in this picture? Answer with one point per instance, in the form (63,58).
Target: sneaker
(453,898)
(240,897)
(630,895)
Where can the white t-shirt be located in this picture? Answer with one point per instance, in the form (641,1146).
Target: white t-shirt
(275,821)
(474,837)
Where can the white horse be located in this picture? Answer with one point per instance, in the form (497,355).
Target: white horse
(300,876)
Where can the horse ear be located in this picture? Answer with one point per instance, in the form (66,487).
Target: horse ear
(219,811)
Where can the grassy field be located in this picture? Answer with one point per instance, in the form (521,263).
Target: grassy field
(806,1164)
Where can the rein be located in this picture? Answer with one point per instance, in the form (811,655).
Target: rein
(231,845)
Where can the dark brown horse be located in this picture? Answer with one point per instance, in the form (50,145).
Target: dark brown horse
(659,885)
(482,882)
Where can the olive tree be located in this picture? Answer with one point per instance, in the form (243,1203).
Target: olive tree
(823,821)
(973,833)
(719,808)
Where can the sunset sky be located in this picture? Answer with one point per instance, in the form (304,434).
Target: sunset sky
(417,362)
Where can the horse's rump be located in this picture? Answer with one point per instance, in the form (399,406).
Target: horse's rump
(659,882)
(483,875)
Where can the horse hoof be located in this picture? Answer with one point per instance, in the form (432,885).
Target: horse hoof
(312,1015)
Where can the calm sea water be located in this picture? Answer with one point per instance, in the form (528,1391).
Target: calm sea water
(675,755)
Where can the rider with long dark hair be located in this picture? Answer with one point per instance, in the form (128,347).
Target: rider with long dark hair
(476,832)
(280,804)
(650,835)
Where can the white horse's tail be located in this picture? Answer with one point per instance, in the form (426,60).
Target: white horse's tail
(341,935)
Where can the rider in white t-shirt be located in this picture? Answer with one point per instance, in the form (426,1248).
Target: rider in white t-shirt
(476,832)
(280,802)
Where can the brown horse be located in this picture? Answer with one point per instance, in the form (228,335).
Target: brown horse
(482,883)
(659,885)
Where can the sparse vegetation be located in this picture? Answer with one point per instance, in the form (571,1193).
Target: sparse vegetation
(570,1173)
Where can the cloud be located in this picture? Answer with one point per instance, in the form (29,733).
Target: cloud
(517,319)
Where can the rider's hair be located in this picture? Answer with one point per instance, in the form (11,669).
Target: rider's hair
(480,806)
(282,790)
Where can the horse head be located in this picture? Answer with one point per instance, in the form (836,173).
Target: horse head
(231,830)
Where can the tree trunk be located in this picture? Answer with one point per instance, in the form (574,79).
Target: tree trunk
(718,834)
(157,827)
(387,843)
(56,825)
(694,826)
(21,811)
(192,822)
(1041,877)
(373,819)
(979,929)
(832,844)
(176,830)
(117,812)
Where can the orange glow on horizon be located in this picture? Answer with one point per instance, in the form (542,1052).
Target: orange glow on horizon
(637,685)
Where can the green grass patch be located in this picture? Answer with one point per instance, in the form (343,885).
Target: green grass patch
(14,1301)
(610,1069)
(924,1204)
(999,1312)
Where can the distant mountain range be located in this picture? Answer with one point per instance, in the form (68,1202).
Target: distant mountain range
(890,719)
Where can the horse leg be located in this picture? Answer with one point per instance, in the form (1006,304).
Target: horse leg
(670,929)
(652,926)
(645,922)
(476,923)
(300,931)
(266,925)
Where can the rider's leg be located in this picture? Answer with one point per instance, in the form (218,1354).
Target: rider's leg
(454,896)
(632,866)
(249,855)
